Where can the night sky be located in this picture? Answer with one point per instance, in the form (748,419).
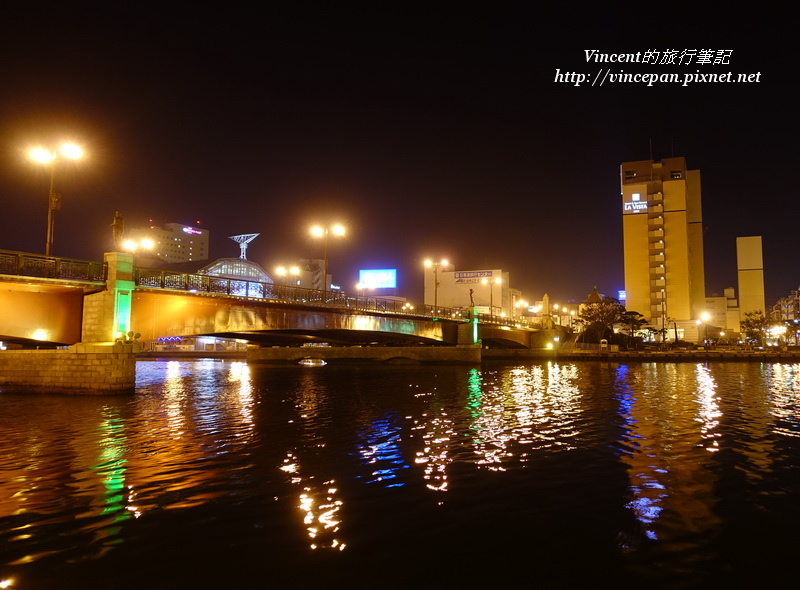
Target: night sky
(428,132)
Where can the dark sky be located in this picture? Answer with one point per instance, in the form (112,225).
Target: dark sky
(428,132)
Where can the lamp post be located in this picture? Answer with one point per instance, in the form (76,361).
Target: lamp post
(705,316)
(319,231)
(492,283)
(435,266)
(45,156)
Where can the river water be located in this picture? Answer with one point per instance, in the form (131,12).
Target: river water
(227,475)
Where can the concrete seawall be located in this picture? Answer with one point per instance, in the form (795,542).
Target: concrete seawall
(82,368)
(111,368)
(387,354)
(644,356)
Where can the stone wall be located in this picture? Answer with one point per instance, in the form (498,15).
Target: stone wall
(82,368)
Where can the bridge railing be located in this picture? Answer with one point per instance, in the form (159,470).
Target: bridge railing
(197,283)
(48,267)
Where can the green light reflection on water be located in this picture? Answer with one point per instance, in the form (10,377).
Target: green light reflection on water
(111,470)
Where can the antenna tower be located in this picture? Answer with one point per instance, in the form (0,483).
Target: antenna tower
(243,240)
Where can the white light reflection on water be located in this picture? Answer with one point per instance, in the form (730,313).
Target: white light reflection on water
(486,410)
(190,426)
(320,504)
(784,389)
(511,415)
(531,408)
(708,413)
(437,434)
(174,395)
(240,374)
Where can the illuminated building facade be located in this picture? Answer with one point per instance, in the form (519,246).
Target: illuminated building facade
(750,266)
(447,287)
(788,307)
(723,311)
(175,242)
(663,243)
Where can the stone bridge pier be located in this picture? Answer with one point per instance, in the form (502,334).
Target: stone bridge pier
(107,314)
(98,364)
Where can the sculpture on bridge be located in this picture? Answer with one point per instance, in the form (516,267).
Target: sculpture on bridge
(243,240)
(117,228)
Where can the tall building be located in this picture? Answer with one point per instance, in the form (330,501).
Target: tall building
(750,266)
(174,242)
(663,244)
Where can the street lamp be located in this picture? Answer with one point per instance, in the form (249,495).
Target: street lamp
(492,283)
(705,316)
(45,156)
(435,266)
(132,245)
(521,304)
(319,231)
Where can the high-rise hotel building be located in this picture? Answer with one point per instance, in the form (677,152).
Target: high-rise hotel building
(663,244)
(175,242)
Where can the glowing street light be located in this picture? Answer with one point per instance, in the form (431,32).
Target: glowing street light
(133,245)
(435,265)
(320,231)
(284,272)
(45,156)
(361,287)
(705,316)
(520,304)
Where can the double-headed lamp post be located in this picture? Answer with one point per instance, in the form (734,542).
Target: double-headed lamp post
(45,156)
(132,245)
(522,305)
(284,272)
(320,231)
(435,265)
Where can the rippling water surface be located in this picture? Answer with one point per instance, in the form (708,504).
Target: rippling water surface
(223,475)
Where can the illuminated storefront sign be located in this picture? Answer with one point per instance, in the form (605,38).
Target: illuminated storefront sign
(191,230)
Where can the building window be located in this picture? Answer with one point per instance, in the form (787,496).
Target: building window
(676,174)
(630,174)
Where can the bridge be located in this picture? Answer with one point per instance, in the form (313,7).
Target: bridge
(58,301)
